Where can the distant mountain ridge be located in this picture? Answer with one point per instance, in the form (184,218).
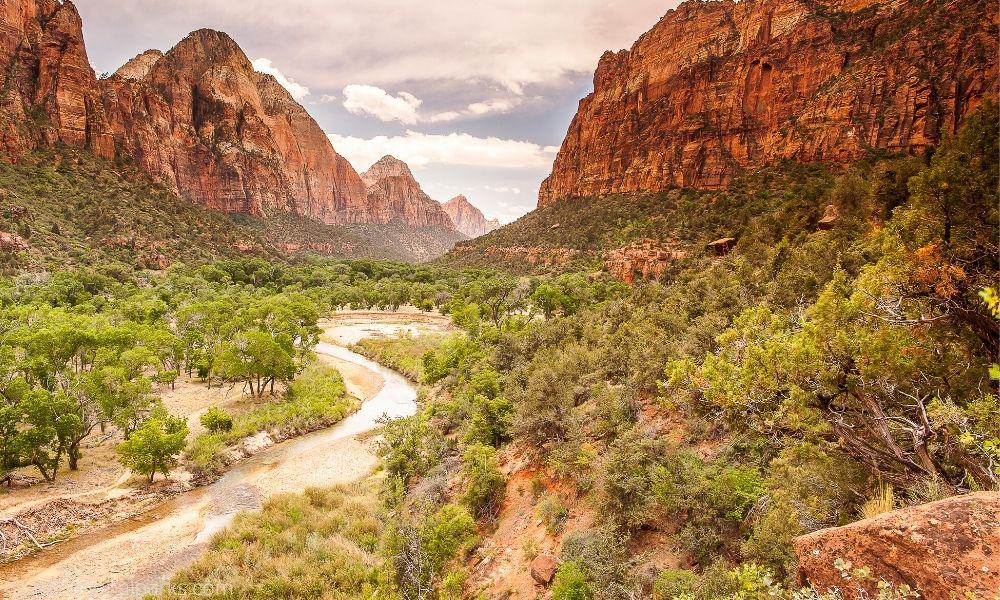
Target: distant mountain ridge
(717,89)
(467,218)
(198,118)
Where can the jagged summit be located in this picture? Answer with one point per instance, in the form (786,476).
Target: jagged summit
(387,166)
(467,218)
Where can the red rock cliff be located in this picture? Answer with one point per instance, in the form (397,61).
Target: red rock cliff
(394,195)
(226,136)
(50,93)
(198,117)
(467,218)
(719,87)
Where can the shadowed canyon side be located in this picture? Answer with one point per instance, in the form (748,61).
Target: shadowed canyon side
(719,88)
(467,218)
(394,194)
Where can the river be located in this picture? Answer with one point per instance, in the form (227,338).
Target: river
(137,556)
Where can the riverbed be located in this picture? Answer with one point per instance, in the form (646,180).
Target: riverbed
(137,556)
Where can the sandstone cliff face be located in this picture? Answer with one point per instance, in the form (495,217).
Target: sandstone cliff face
(50,93)
(945,549)
(467,218)
(394,195)
(200,118)
(716,88)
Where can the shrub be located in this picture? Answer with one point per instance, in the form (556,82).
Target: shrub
(553,513)
(674,583)
(571,583)
(484,483)
(215,420)
(626,480)
(883,501)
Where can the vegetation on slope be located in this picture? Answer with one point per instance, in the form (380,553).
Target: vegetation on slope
(817,368)
(745,400)
(72,208)
(322,543)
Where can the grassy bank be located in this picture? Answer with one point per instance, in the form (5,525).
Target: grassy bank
(316,399)
(404,353)
(318,544)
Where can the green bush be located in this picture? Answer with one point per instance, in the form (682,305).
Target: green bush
(553,513)
(217,420)
(154,446)
(674,583)
(571,583)
(484,483)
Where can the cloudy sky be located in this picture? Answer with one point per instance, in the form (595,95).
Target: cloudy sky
(475,96)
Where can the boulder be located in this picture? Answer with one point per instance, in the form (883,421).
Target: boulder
(543,568)
(11,242)
(945,549)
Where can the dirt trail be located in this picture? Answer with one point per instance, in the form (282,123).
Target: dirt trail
(137,556)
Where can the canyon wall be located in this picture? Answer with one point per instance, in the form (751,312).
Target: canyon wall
(720,87)
(198,117)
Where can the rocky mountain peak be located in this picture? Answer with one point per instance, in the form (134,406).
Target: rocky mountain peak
(137,68)
(467,218)
(387,166)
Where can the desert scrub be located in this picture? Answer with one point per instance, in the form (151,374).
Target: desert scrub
(403,353)
(317,398)
(318,544)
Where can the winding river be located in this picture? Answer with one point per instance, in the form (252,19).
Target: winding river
(135,557)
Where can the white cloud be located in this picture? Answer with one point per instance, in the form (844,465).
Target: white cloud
(482,45)
(263,65)
(327,98)
(500,105)
(502,189)
(421,150)
(374,101)
(360,99)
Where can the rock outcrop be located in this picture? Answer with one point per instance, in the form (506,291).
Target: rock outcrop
(944,549)
(393,195)
(467,218)
(718,88)
(645,259)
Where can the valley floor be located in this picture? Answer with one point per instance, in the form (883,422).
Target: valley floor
(136,556)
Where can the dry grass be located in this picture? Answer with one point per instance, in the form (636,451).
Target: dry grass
(318,544)
(883,501)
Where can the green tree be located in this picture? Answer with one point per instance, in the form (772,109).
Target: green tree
(484,483)
(153,447)
(571,583)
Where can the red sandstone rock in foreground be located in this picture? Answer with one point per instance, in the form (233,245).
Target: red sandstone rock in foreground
(944,549)
(394,195)
(716,88)
(467,218)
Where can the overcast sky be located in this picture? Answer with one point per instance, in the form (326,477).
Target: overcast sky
(475,96)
